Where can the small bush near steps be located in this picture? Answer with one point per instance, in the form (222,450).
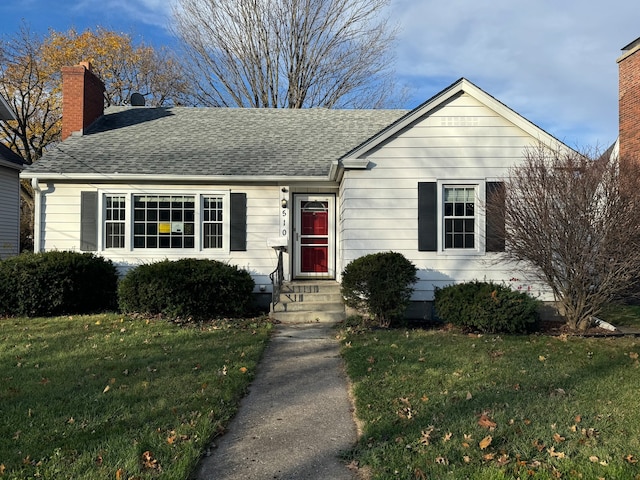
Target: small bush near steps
(187,289)
(487,307)
(379,284)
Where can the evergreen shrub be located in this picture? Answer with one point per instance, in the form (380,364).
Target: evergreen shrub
(57,283)
(379,284)
(187,289)
(487,307)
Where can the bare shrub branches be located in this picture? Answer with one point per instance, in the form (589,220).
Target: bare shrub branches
(573,217)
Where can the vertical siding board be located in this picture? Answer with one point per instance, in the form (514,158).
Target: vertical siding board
(427,216)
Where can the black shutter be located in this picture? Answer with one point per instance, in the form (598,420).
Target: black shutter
(427,216)
(238,222)
(88,221)
(495,217)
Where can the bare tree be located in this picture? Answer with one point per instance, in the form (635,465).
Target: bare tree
(573,219)
(288,53)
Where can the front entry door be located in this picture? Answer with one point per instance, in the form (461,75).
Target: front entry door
(314,236)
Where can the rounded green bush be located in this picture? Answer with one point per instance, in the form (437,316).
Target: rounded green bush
(487,307)
(57,283)
(379,284)
(187,289)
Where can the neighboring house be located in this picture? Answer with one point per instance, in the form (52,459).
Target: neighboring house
(10,166)
(629,101)
(143,184)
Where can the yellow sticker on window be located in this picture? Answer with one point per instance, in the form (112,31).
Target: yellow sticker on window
(164,228)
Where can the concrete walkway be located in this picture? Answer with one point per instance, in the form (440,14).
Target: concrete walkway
(297,417)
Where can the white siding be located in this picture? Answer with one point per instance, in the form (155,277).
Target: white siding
(9,212)
(378,208)
(60,226)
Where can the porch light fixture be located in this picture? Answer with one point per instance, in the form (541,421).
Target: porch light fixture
(283,202)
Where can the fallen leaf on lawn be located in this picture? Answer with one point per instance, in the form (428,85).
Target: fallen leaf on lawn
(148,461)
(171,438)
(119,474)
(424,398)
(578,418)
(466,459)
(419,474)
(633,355)
(243,369)
(425,435)
(487,457)
(542,358)
(371,360)
(44,381)
(106,389)
(99,460)
(558,438)
(552,451)
(485,442)
(486,422)
(539,445)
(594,459)
(442,461)
(630,459)
(574,428)
(604,463)
(2,468)
(447,437)
(503,460)
(469,396)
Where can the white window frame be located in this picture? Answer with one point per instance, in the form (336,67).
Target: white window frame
(479,214)
(198,221)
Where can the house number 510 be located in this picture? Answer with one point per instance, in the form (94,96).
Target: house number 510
(283,223)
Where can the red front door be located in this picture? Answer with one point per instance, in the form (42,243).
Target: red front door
(314,236)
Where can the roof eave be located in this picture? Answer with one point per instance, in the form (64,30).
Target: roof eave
(147,178)
(15,166)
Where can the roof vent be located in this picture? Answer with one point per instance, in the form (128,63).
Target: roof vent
(137,100)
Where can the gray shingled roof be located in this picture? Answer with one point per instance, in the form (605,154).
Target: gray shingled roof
(215,141)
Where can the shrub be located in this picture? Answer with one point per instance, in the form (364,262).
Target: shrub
(487,307)
(379,284)
(57,283)
(186,288)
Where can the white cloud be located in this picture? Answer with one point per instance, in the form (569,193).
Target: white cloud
(553,62)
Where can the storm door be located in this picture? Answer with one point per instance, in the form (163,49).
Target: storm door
(314,236)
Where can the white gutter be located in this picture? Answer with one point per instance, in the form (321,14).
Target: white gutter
(37,209)
(142,177)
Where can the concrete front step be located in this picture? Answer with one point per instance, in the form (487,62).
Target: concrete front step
(309,301)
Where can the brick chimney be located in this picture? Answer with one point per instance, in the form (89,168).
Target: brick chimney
(629,101)
(82,98)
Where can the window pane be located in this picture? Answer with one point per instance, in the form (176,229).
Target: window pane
(459,217)
(114,225)
(158,219)
(212,227)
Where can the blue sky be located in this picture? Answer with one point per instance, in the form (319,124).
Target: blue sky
(554,62)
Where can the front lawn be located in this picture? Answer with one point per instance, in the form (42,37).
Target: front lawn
(441,404)
(110,397)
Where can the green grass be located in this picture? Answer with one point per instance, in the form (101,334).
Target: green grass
(110,397)
(562,407)
(622,315)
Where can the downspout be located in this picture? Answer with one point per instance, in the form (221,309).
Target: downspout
(37,209)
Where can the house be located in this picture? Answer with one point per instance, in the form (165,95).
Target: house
(10,166)
(315,188)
